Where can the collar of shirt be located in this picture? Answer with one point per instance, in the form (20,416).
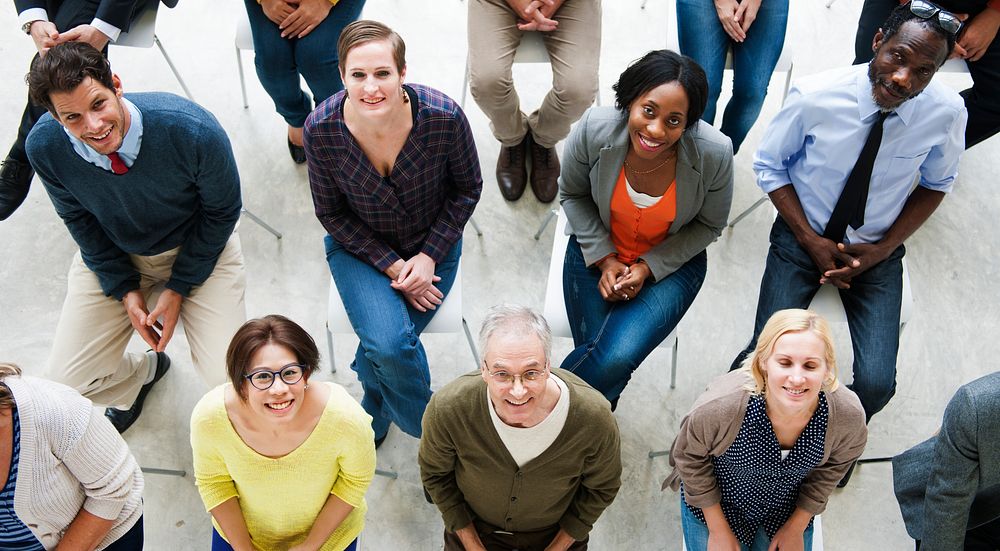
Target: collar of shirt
(129,149)
(867,106)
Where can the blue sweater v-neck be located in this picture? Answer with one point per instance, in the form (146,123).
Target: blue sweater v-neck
(183,190)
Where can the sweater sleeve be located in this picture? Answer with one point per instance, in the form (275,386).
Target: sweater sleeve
(437,459)
(600,481)
(700,437)
(218,184)
(463,168)
(99,458)
(211,476)
(357,461)
(849,437)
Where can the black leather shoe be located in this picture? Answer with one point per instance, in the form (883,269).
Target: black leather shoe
(544,172)
(15,179)
(123,419)
(297,152)
(512,171)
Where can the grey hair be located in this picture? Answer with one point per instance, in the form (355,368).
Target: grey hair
(519,320)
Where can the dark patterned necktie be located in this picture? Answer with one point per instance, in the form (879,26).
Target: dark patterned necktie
(851,204)
(117,164)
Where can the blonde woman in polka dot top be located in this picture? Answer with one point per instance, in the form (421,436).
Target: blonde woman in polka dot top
(762,449)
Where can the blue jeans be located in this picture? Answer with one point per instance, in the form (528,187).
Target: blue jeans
(219,544)
(280,61)
(390,361)
(702,37)
(696,534)
(613,338)
(871,304)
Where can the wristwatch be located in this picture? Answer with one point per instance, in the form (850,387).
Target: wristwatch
(27,26)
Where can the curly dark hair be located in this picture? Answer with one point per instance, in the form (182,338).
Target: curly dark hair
(63,68)
(661,67)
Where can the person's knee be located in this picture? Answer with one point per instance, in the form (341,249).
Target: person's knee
(389,347)
(490,82)
(576,90)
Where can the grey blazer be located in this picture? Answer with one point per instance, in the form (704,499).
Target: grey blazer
(593,157)
(951,482)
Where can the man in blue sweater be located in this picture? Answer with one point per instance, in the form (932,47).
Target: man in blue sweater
(148,188)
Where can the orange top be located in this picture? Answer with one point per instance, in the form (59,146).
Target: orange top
(635,230)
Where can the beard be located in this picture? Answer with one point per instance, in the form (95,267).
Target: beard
(875,82)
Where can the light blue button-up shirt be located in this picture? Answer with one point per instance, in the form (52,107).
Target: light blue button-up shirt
(815,140)
(129,149)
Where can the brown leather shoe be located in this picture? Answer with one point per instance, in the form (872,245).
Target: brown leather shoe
(512,171)
(544,172)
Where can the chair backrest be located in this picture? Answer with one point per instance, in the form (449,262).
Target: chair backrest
(555,305)
(827,302)
(448,318)
(244,40)
(532,49)
(142,31)
(954,65)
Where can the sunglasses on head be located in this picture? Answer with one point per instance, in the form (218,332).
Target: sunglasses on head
(925,10)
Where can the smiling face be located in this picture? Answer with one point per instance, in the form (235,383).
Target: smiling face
(521,403)
(795,371)
(373,83)
(282,401)
(656,120)
(94,114)
(905,63)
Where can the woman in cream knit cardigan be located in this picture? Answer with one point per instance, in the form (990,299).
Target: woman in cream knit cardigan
(70,478)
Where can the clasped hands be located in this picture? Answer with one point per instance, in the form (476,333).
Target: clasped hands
(296,18)
(620,281)
(415,279)
(736,17)
(156,333)
(838,263)
(536,15)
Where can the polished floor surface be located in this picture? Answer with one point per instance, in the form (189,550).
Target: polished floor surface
(951,339)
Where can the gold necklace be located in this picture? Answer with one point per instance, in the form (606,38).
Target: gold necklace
(654,169)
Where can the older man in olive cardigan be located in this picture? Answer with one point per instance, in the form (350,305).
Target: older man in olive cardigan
(518,455)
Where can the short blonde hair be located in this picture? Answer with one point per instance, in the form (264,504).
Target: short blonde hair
(790,321)
(6,397)
(364,31)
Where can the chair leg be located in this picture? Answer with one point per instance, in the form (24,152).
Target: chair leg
(465,83)
(243,82)
(172,68)
(329,349)
(388,474)
(747,212)
(475,226)
(788,83)
(673,364)
(658,453)
(545,223)
(901,327)
(167,472)
(472,342)
(261,223)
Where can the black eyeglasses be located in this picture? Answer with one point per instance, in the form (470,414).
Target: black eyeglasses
(263,379)
(925,10)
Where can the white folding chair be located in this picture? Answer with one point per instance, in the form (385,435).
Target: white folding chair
(244,41)
(142,34)
(530,50)
(447,319)
(555,304)
(827,302)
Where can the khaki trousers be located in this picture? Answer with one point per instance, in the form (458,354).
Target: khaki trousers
(574,49)
(89,349)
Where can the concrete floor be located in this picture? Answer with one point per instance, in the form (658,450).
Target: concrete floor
(951,339)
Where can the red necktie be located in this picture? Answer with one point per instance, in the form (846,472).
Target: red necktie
(117,164)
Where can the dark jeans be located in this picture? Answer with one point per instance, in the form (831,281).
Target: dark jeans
(982,100)
(219,544)
(613,338)
(280,61)
(507,541)
(131,541)
(871,304)
(70,14)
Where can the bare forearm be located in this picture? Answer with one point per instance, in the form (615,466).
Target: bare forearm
(229,515)
(787,202)
(85,532)
(333,513)
(469,538)
(561,542)
(799,520)
(918,208)
(715,519)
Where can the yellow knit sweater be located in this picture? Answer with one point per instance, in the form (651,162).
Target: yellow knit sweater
(281,497)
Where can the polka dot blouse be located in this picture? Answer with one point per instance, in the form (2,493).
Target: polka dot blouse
(758,487)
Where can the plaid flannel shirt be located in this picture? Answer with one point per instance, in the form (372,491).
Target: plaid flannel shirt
(421,206)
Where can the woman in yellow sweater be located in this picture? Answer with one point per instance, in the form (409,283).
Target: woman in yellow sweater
(281,463)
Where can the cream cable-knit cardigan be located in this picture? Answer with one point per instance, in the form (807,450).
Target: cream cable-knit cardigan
(71,457)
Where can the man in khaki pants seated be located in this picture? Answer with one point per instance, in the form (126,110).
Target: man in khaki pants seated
(519,455)
(571,30)
(148,188)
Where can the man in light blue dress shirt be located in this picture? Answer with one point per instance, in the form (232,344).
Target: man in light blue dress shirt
(804,162)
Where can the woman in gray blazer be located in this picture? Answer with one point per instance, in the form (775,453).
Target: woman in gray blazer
(645,187)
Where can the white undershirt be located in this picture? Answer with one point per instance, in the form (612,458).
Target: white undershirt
(527,443)
(639,199)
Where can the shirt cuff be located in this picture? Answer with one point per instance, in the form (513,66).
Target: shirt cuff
(32,14)
(107,28)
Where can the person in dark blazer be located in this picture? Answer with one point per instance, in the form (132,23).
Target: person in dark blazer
(51,22)
(948,486)
(645,187)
